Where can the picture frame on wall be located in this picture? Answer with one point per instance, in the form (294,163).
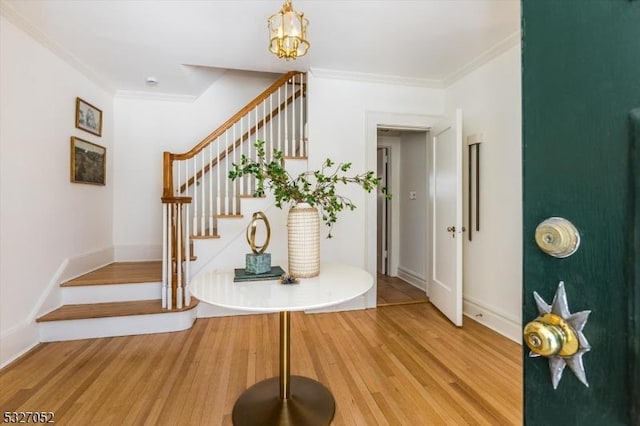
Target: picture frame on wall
(88,117)
(88,162)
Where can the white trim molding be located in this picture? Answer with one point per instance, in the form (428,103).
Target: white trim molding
(498,49)
(493,318)
(376,78)
(413,278)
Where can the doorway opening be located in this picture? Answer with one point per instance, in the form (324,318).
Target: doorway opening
(401,246)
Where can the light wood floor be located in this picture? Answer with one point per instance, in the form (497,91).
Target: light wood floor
(397,365)
(394,291)
(120,273)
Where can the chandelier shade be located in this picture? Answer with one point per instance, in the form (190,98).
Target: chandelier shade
(288,33)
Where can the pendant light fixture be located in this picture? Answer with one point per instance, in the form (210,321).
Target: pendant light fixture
(288,33)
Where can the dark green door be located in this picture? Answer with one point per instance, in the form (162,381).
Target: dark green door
(581,84)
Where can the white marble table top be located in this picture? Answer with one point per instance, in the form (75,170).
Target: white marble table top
(336,283)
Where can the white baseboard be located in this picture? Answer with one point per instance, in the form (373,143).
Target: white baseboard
(137,253)
(492,318)
(17,341)
(412,277)
(87,262)
(24,336)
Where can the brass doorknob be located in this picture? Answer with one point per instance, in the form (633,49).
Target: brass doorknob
(451,229)
(550,335)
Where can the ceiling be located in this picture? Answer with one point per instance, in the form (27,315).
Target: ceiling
(187,45)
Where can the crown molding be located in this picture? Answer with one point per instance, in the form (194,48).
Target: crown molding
(153,96)
(376,78)
(39,36)
(506,44)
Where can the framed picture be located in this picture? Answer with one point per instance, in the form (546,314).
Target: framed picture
(88,117)
(88,162)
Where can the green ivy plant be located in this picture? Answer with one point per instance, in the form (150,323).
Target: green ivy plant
(316,187)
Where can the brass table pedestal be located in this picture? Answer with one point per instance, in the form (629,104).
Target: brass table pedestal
(309,403)
(285,400)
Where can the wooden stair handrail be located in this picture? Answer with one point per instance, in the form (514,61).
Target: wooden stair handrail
(236,117)
(168,157)
(240,140)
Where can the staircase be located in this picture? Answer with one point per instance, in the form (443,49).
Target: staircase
(118,299)
(202,219)
(197,195)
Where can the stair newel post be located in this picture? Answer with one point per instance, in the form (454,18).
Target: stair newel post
(176,251)
(179,258)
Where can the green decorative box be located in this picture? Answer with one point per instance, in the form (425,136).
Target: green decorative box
(258,263)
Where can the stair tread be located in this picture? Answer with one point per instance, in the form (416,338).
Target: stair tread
(120,273)
(110,309)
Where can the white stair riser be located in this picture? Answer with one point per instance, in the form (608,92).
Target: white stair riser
(111,293)
(54,331)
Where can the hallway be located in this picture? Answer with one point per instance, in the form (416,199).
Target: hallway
(395,291)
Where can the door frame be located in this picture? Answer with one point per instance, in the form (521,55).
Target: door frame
(387,233)
(391,120)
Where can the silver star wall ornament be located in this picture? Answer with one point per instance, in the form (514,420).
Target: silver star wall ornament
(560,308)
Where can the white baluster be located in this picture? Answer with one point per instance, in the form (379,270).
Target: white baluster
(203,209)
(242,180)
(269,152)
(303,140)
(234,184)
(235,160)
(280,147)
(195,197)
(221,207)
(170,256)
(286,119)
(165,261)
(179,257)
(187,256)
(227,183)
(211,209)
(294,118)
(255,138)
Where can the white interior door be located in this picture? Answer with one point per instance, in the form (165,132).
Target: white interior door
(445,286)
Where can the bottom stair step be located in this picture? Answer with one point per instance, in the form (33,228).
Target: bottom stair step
(72,322)
(110,309)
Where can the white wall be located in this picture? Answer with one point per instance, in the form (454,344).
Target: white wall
(413,213)
(147,127)
(46,222)
(338,129)
(491,101)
